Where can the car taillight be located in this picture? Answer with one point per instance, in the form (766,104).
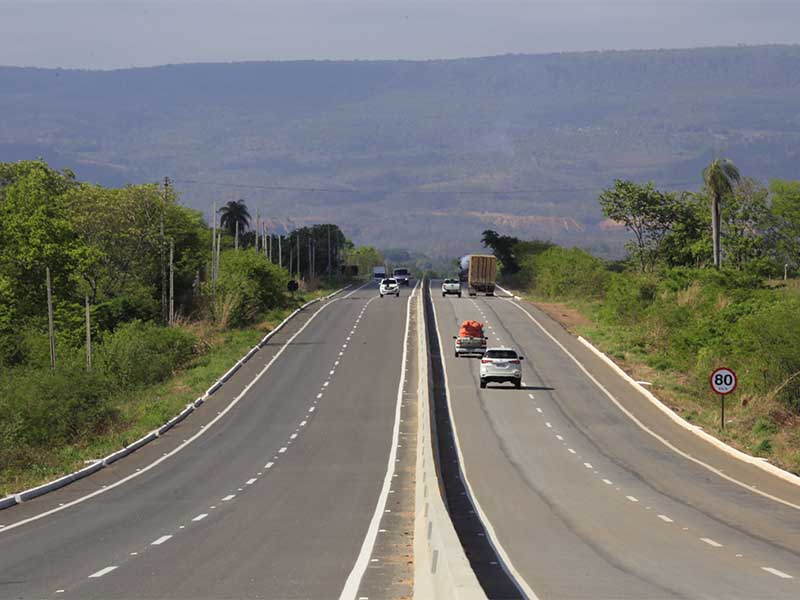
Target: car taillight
(486,361)
(458,342)
(513,362)
(483,342)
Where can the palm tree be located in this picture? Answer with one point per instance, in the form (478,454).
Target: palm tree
(235,217)
(719,177)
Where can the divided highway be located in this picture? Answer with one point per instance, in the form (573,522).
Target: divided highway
(274,500)
(582,502)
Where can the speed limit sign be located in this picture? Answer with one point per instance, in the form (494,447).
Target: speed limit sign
(723,381)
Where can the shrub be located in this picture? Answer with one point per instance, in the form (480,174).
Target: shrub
(248,286)
(141,353)
(565,272)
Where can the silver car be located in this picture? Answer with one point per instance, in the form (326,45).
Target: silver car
(389,287)
(501,365)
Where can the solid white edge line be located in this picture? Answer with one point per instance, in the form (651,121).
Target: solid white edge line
(207,427)
(644,427)
(505,560)
(353,581)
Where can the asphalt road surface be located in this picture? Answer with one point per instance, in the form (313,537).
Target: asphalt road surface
(273,500)
(584,503)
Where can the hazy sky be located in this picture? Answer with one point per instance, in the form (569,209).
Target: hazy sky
(122,33)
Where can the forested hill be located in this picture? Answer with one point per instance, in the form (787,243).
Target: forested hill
(418,142)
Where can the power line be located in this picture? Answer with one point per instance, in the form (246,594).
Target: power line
(327,190)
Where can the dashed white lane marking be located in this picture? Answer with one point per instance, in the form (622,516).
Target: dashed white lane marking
(608,482)
(326,384)
(229,497)
(303,423)
(282,450)
(341,353)
(711,542)
(332,372)
(319,395)
(251,481)
(571,450)
(336,364)
(549,426)
(269,465)
(530,396)
(160,540)
(293,436)
(665,518)
(59,591)
(539,410)
(102,572)
(588,465)
(200,517)
(632,498)
(311,409)
(780,574)
(559,437)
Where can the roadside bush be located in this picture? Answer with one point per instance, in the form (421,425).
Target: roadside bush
(45,408)
(248,286)
(565,273)
(140,353)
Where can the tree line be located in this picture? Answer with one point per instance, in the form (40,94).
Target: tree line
(131,253)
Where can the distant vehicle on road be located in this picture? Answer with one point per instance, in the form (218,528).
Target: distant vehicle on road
(470,339)
(451,286)
(389,287)
(481,275)
(379,272)
(501,365)
(402,275)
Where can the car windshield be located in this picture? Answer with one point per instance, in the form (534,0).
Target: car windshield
(401,271)
(501,354)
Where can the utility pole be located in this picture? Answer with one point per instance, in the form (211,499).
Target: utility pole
(329,250)
(172,282)
(280,252)
(236,237)
(51,328)
(88,336)
(164,313)
(258,229)
(299,275)
(213,238)
(310,260)
(219,243)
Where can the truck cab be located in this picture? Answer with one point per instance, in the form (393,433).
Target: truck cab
(402,275)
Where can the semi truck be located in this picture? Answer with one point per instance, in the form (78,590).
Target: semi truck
(481,274)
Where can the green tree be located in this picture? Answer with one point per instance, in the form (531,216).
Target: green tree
(233,213)
(745,220)
(785,196)
(646,212)
(719,178)
(688,243)
(365,258)
(503,248)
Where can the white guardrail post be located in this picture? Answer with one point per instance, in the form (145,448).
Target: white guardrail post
(441,568)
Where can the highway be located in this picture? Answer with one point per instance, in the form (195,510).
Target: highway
(278,496)
(581,501)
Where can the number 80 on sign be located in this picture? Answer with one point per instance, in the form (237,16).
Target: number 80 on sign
(723,381)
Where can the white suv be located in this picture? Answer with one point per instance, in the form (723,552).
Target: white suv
(389,287)
(501,365)
(451,286)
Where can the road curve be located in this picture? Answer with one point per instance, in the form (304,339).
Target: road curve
(273,501)
(586,504)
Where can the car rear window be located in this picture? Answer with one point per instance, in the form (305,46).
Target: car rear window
(450,281)
(401,271)
(501,354)
(388,281)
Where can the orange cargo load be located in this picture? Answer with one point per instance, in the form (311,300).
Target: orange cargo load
(471,329)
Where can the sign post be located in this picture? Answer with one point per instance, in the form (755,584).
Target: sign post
(723,382)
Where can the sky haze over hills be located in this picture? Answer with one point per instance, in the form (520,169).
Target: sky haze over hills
(109,34)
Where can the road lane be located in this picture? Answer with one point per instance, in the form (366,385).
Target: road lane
(273,501)
(591,506)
